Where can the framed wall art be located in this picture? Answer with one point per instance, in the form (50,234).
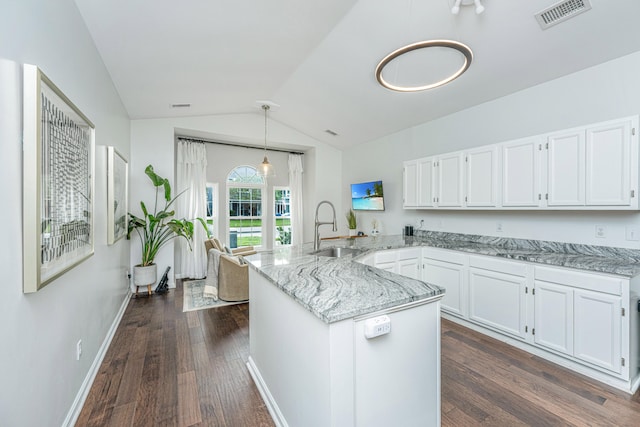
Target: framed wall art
(117,195)
(58,182)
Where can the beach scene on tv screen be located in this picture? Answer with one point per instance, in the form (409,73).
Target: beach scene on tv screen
(367,196)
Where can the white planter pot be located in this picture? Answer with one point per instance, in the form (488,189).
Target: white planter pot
(144,276)
(353,232)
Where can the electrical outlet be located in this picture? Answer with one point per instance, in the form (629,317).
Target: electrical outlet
(499,227)
(78,349)
(633,234)
(601,231)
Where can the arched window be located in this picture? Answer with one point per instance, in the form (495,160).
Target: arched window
(245,191)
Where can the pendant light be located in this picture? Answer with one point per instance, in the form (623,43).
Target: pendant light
(265,168)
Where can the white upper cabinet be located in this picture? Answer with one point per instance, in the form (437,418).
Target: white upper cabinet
(425,182)
(482,176)
(418,183)
(410,184)
(589,167)
(450,180)
(565,168)
(521,173)
(608,164)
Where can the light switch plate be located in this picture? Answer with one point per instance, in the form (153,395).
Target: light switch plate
(633,234)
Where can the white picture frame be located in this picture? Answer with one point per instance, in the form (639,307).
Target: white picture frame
(117,196)
(58,182)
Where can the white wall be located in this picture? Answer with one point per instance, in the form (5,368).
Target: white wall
(600,93)
(153,142)
(40,375)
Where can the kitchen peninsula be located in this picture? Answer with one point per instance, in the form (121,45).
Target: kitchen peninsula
(321,349)
(575,305)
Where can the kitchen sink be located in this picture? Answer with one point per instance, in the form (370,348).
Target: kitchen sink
(338,252)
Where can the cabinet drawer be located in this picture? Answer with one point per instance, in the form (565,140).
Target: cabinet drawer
(386,256)
(576,279)
(444,255)
(509,267)
(412,253)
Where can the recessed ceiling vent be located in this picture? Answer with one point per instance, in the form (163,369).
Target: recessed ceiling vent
(561,11)
(184,105)
(330,132)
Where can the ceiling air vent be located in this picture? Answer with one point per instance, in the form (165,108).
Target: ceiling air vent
(561,11)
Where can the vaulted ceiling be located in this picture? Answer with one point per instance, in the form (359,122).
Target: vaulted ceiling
(316,59)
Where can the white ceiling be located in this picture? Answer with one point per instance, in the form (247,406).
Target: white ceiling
(316,59)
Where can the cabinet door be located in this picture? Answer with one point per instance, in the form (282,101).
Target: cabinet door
(450,180)
(497,300)
(608,153)
(451,277)
(410,181)
(565,169)
(597,329)
(409,268)
(425,182)
(521,173)
(482,176)
(554,317)
(408,262)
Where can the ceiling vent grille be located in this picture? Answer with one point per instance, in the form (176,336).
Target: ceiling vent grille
(561,11)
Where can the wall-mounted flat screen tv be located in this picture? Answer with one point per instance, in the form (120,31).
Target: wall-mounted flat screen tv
(367,196)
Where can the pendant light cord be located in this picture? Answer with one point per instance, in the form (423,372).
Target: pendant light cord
(266,108)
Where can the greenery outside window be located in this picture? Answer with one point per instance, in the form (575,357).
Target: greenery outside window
(282,216)
(244,195)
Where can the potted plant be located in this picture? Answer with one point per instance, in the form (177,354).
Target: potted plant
(157,228)
(351,221)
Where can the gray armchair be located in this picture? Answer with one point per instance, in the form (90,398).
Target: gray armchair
(228,274)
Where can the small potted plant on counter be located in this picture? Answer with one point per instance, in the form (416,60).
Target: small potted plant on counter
(157,228)
(351,221)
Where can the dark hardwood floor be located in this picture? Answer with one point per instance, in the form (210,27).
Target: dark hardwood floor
(169,368)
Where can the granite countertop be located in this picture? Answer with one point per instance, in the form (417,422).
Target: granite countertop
(335,289)
(340,288)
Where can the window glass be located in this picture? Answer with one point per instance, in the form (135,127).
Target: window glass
(245,190)
(282,214)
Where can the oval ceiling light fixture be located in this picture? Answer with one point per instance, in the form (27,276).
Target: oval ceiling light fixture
(447,44)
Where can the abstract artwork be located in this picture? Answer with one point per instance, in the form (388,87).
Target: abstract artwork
(58,182)
(117,185)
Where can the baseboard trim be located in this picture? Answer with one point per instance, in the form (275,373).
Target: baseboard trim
(272,406)
(78,403)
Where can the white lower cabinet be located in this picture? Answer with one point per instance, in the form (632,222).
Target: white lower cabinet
(597,329)
(449,271)
(408,262)
(386,260)
(581,315)
(497,294)
(553,327)
(585,321)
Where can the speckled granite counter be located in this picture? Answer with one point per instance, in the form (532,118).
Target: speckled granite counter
(339,288)
(335,289)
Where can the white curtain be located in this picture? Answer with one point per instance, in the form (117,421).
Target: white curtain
(295,186)
(192,179)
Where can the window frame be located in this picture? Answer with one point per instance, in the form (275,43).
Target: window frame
(275,216)
(250,185)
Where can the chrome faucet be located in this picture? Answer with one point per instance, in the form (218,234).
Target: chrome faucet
(316,237)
